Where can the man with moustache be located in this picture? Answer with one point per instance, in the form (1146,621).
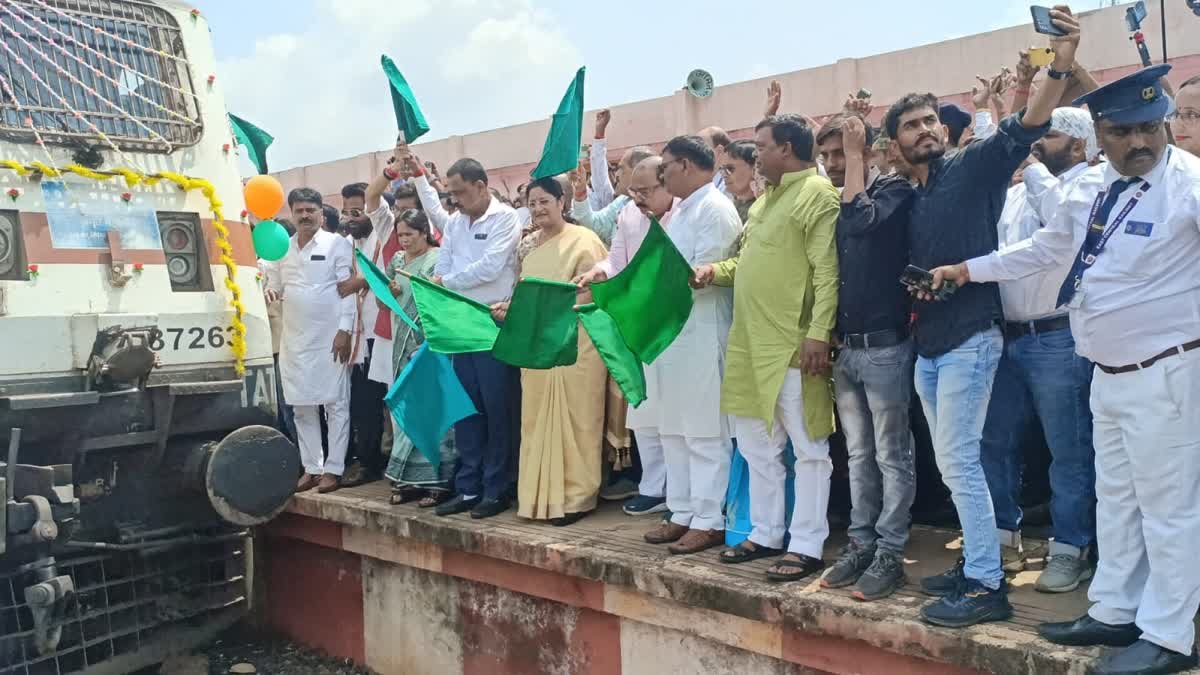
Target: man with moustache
(314,350)
(958,201)
(650,198)
(1131,231)
(1041,376)
(1185,121)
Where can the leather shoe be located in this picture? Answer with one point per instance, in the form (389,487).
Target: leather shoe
(456,505)
(488,508)
(665,533)
(696,541)
(306,482)
(328,483)
(1145,658)
(1086,631)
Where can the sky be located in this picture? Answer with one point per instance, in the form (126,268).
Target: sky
(308,71)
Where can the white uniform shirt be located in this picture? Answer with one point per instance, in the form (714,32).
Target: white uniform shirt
(1033,297)
(479,259)
(1142,296)
(431,204)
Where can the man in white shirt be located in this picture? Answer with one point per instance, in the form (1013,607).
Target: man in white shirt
(479,260)
(1041,376)
(1131,231)
(718,140)
(683,385)
(314,350)
(599,207)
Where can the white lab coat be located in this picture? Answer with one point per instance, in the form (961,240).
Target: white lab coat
(313,313)
(683,385)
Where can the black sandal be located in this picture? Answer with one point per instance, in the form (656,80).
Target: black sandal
(569,519)
(742,553)
(801,566)
(406,494)
(434,498)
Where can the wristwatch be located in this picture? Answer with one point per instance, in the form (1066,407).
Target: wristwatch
(1059,74)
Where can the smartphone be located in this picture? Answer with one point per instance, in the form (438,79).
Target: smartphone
(1040,57)
(1042,22)
(923,279)
(1134,16)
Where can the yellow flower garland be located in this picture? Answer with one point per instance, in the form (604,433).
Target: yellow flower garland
(237,343)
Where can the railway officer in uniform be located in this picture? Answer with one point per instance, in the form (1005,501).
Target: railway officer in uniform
(314,350)
(1132,230)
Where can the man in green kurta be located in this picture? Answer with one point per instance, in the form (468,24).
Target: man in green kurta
(777,385)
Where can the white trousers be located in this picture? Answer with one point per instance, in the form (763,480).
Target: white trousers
(1147,438)
(308,434)
(763,451)
(654,466)
(697,477)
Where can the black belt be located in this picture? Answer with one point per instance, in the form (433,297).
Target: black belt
(1117,370)
(880,338)
(1018,329)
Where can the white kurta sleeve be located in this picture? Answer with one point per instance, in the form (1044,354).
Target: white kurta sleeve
(717,233)
(602,188)
(438,215)
(1049,247)
(343,261)
(382,220)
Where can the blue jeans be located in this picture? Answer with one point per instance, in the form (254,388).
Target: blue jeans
(874,390)
(1041,375)
(954,390)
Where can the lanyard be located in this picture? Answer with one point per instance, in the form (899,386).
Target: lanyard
(1088,258)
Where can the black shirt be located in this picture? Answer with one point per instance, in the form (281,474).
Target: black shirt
(954,219)
(872,241)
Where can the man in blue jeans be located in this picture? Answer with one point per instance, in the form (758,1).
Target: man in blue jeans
(873,370)
(954,216)
(1040,373)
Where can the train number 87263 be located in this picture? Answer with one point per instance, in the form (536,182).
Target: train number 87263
(195,337)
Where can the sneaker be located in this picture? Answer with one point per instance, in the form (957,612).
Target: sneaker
(969,604)
(945,583)
(1063,574)
(851,563)
(622,489)
(642,505)
(882,578)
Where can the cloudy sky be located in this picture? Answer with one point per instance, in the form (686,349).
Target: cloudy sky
(308,70)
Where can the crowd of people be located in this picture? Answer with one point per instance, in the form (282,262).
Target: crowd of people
(1048,259)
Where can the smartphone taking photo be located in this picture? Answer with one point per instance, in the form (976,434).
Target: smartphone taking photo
(1042,22)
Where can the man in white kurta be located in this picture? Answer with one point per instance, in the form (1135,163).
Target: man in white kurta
(1132,230)
(314,349)
(683,385)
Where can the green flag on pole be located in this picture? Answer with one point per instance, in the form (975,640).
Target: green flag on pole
(541,330)
(381,287)
(650,300)
(408,114)
(255,140)
(561,152)
(453,324)
(622,365)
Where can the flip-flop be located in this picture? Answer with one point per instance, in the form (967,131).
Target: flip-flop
(802,571)
(740,553)
(432,499)
(405,495)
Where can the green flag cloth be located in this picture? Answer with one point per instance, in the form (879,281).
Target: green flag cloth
(541,329)
(650,300)
(378,282)
(255,140)
(426,400)
(561,152)
(453,324)
(624,367)
(408,114)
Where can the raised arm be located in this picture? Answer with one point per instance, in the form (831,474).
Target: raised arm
(1043,103)
(602,187)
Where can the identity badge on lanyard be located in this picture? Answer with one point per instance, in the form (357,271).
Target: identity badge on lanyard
(1088,255)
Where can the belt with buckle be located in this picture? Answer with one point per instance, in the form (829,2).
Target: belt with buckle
(880,338)
(1018,329)
(1117,370)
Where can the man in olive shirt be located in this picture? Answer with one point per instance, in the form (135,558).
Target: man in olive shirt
(777,382)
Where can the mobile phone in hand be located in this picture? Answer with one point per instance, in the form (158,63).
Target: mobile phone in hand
(923,280)
(1042,22)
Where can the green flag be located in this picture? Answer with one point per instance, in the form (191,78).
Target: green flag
(650,300)
(561,153)
(255,140)
(378,282)
(624,367)
(541,329)
(408,114)
(453,324)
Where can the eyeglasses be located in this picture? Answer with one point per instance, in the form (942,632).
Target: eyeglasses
(353,213)
(1184,115)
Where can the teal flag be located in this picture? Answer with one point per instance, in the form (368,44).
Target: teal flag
(427,399)
(540,330)
(381,287)
(408,114)
(255,140)
(561,152)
